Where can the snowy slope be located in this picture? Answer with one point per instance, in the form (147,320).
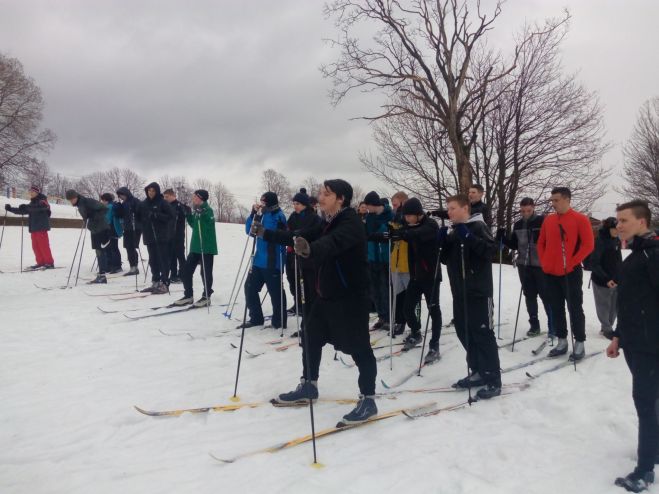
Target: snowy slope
(70,375)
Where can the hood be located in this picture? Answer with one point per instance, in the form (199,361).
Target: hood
(474,218)
(40,197)
(124,192)
(153,185)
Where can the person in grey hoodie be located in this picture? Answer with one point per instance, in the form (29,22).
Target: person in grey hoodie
(605,263)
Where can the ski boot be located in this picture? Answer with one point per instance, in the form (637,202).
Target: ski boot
(176,279)
(378,324)
(533,332)
(150,289)
(492,388)
(160,289)
(579,352)
(305,391)
(132,271)
(559,349)
(99,280)
(248,324)
(636,481)
(399,329)
(364,410)
(472,381)
(412,340)
(183,301)
(48,266)
(202,302)
(432,356)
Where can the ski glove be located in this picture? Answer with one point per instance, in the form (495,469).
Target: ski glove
(462,230)
(442,234)
(7,207)
(257,229)
(302,247)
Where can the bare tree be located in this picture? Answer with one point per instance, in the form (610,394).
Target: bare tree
(134,182)
(22,140)
(179,184)
(59,184)
(642,157)
(358,195)
(92,185)
(225,203)
(273,181)
(433,52)
(37,173)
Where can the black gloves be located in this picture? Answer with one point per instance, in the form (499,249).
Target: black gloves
(7,207)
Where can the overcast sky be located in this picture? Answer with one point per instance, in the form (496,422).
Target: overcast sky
(224,89)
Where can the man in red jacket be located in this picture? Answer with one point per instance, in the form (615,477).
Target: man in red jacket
(566,239)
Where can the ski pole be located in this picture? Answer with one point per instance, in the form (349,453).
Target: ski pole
(22,224)
(281,292)
(93,265)
(567,291)
(75,254)
(466,315)
(499,308)
(229,312)
(203,265)
(391,303)
(297,307)
(240,266)
(242,334)
(82,250)
(431,304)
(4,223)
(305,349)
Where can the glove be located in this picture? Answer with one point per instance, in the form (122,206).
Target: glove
(439,213)
(302,247)
(501,234)
(442,234)
(257,229)
(462,230)
(7,207)
(396,234)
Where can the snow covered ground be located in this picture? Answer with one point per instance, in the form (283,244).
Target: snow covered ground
(70,375)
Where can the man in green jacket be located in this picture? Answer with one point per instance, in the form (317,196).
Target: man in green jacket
(203,246)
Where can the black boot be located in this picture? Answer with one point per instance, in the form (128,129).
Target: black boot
(305,391)
(636,481)
(248,324)
(472,381)
(412,340)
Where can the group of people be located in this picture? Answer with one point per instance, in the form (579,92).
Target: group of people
(343,262)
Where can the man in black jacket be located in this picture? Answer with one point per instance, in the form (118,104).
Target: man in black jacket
(157,218)
(177,244)
(38,211)
(132,227)
(476,193)
(339,314)
(420,233)
(524,239)
(637,333)
(605,263)
(467,252)
(93,213)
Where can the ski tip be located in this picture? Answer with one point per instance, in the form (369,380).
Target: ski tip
(142,411)
(232,345)
(221,460)
(235,399)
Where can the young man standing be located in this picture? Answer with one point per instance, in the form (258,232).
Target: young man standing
(605,263)
(339,314)
(524,239)
(128,212)
(203,249)
(116,232)
(93,213)
(467,252)
(399,263)
(476,193)
(38,211)
(638,333)
(566,239)
(177,244)
(377,223)
(157,218)
(267,265)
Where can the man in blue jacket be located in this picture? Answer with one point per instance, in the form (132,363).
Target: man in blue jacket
(267,264)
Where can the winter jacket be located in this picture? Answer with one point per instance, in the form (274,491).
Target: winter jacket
(38,211)
(202,217)
(305,219)
(606,259)
(479,249)
(115,222)
(378,251)
(579,242)
(524,239)
(269,255)
(638,297)
(422,249)
(399,259)
(483,209)
(93,212)
(157,218)
(129,210)
(181,212)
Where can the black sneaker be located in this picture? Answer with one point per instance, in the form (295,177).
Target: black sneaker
(364,410)
(533,332)
(399,329)
(176,279)
(411,341)
(133,271)
(636,481)
(304,392)
(248,324)
(378,324)
(34,267)
(48,266)
(489,391)
(116,270)
(99,280)
(432,356)
(472,381)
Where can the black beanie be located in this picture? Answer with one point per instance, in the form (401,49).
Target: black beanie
(201,194)
(107,197)
(270,199)
(372,199)
(70,194)
(413,206)
(302,197)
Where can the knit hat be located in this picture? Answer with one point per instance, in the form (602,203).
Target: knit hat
(70,194)
(270,199)
(609,223)
(302,197)
(372,199)
(36,189)
(413,206)
(107,197)
(201,194)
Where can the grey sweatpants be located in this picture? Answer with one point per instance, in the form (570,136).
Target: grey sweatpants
(606,304)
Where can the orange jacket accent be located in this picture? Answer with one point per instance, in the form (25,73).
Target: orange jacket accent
(578,237)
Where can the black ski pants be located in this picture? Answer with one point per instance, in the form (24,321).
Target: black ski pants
(558,293)
(177,256)
(159,261)
(188,269)
(131,244)
(533,286)
(271,278)
(414,291)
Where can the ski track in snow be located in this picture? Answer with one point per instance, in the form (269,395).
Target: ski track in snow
(70,375)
